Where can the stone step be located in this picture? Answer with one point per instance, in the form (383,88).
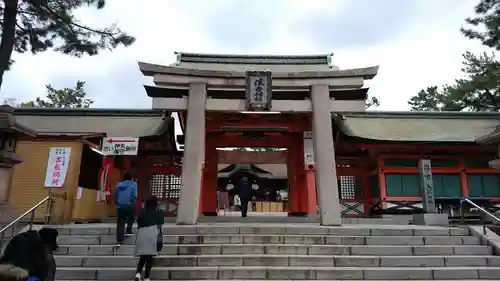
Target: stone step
(282,260)
(282,273)
(302,280)
(284,249)
(279,239)
(283,229)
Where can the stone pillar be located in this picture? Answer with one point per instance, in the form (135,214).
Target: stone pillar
(324,155)
(194,154)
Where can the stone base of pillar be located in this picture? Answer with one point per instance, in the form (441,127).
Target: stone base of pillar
(430,219)
(297,214)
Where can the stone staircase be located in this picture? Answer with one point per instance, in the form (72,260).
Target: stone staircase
(282,252)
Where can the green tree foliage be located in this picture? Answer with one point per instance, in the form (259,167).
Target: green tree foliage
(40,25)
(479,89)
(62,98)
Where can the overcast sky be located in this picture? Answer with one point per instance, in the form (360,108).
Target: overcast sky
(417,43)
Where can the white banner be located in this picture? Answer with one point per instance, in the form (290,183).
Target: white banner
(57,166)
(308,148)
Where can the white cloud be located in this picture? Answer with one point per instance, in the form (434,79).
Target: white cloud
(425,50)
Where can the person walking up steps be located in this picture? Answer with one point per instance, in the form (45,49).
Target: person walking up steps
(148,240)
(125,198)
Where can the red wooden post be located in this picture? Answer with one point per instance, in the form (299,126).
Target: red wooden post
(108,164)
(208,202)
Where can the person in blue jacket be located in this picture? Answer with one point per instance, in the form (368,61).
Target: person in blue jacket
(125,199)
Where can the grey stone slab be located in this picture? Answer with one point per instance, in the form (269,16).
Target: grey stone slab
(327,250)
(286,249)
(241,273)
(64,261)
(167,250)
(392,232)
(301,239)
(398,274)
(494,261)
(169,239)
(79,240)
(217,230)
(242,249)
(190,239)
(432,232)
(352,261)
(191,249)
(111,240)
(378,250)
(80,250)
(219,260)
(306,230)
(90,231)
(443,240)
(63,231)
(348,240)
(466,261)
(395,240)
(262,230)
(472,250)
(489,273)
(266,260)
(289,273)
(268,239)
(311,261)
(459,231)
(334,273)
(433,250)
(455,273)
(187,274)
(471,240)
(109,262)
(179,230)
(222,239)
(411,261)
(340,231)
(69,273)
(62,250)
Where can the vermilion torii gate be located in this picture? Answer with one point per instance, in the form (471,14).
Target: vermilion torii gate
(224,97)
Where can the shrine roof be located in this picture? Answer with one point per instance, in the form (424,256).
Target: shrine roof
(418,126)
(81,122)
(242,63)
(490,138)
(10,123)
(150,69)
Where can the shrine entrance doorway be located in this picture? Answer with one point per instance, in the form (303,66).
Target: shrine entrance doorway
(266,168)
(259,130)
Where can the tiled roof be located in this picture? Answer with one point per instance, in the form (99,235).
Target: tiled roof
(113,123)
(418,126)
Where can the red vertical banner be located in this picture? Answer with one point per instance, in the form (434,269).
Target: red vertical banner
(106,177)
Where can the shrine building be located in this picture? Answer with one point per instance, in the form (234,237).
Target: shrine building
(329,156)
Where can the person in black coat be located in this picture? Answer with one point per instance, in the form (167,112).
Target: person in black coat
(49,238)
(244,190)
(25,258)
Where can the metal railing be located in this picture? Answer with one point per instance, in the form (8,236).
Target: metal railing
(481,209)
(31,212)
